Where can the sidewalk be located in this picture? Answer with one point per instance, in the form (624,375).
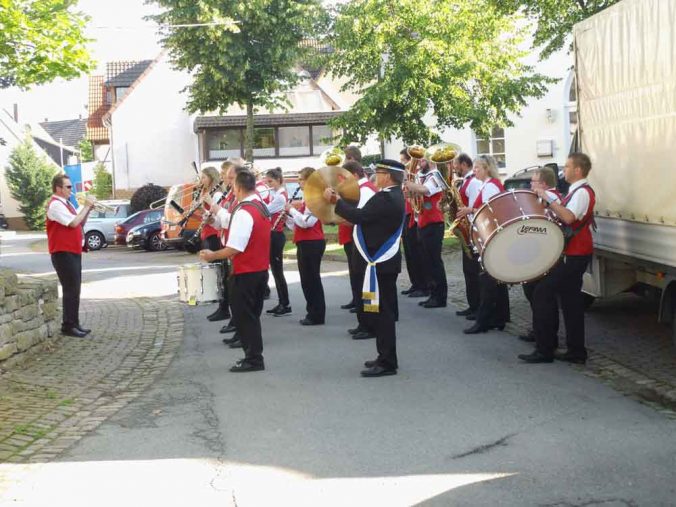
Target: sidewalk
(53,399)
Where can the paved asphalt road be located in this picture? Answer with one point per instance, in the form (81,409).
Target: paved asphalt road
(464,423)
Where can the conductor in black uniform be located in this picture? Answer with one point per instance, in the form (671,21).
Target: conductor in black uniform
(380,222)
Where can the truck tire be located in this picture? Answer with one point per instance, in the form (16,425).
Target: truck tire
(587,300)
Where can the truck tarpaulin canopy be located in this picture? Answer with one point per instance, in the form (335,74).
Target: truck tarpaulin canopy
(626,78)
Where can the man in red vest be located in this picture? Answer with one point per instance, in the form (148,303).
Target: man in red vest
(64,239)
(248,247)
(565,280)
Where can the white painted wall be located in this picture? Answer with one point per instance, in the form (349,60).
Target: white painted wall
(152,135)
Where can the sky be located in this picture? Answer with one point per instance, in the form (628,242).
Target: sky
(63,100)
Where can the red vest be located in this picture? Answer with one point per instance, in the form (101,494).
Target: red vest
(582,243)
(479,201)
(431,209)
(344,230)
(463,190)
(207,230)
(273,218)
(309,234)
(256,255)
(61,238)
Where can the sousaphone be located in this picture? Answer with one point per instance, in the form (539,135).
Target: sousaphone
(339,179)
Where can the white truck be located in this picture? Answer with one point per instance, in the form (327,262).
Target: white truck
(625,62)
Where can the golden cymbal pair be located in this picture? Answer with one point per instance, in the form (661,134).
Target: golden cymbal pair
(337,178)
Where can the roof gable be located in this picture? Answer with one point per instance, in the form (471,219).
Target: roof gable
(123,74)
(69,132)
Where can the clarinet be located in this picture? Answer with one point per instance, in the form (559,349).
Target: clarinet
(283,213)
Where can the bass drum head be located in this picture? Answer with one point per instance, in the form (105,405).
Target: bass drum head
(523,251)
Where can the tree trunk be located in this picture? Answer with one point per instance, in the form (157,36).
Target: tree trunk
(249,135)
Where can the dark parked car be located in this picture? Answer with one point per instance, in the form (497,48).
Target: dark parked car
(147,236)
(140,217)
(521,179)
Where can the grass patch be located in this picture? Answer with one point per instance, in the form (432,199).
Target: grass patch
(67,402)
(29,430)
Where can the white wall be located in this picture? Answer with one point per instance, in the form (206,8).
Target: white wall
(152,135)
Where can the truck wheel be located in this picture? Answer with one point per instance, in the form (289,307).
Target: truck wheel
(95,240)
(587,300)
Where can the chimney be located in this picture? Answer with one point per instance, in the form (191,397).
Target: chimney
(16,113)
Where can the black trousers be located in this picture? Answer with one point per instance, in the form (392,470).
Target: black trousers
(564,282)
(213,243)
(309,255)
(413,256)
(528,291)
(494,302)
(247,292)
(384,321)
(471,268)
(68,268)
(277,240)
(432,236)
(355,284)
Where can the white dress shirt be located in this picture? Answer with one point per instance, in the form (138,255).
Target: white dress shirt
(303,220)
(579,203)
(241,227)
(58,211)
(365,193)
(473,188)
(431,181)
(278,201)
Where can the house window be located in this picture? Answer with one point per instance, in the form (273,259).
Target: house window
(322,138)
(120,92)
(294,141)
(264,142)
(494,146)
(222,144)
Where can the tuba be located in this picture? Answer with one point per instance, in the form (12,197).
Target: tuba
(332,157)
(417,153)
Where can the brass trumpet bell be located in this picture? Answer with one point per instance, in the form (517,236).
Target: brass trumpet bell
(337,178)
(442,153)
(332,157)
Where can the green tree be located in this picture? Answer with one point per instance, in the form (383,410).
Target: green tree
(29,178)
(249,62)
(460,60)
(555,19)
(102,186)
(86,150)
(41,40)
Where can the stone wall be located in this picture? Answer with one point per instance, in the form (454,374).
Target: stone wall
(29,314)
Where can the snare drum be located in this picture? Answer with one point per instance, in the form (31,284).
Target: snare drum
(199,283)
(517,238)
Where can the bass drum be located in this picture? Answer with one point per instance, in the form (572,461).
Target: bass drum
(199,283)
(518,240)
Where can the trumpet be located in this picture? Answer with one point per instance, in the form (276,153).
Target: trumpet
(98,206)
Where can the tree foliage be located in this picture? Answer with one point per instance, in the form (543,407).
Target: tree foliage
(41,40)
(29,178)
(86,150)
(555,19)
(146,195)
(459,59)
(249,63)
(102,186)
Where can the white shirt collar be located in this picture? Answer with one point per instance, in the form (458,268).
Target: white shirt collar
(469,174)
(362,180)
(577,184)
(61,199)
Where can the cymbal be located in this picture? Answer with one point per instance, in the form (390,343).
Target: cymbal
(339,179)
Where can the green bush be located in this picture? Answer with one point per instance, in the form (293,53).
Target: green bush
(102,186)
(29,178)
(367,160)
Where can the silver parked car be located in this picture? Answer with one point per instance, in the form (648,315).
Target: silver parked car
(100,227)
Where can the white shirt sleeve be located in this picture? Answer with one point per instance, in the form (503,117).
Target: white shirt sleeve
(579,203)
(59,212)
(303,220)
(277,204)
(552,196)
(240,230)
(221,219)
(432,184)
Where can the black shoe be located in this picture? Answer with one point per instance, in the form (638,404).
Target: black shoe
(219,314)
(423,303)
(244,366)
(228,341)
(356,330)
(371,364)
(569,358)
(266,296)
(235,345)
(308,322)
(434,303)
(475,329)
(348,306)
(419,294)
(273,309)
(353,310)
(378,371)
(499,327)
(83,329)
(282,310)
(408,291)
(73,331)
(529,337)
(228,328)
(536,357)
(465,312)
(471,316)
(363,335)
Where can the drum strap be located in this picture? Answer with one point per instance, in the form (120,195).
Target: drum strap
(569,232)
(262,209)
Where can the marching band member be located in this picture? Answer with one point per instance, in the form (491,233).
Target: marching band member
(564,281)
(308,235)
(545,179)
(493,311)
(431,228)
(275,180)
(248,247)
(469,190)
(65,239)
(412,253)
(266,195)
(378,228)
(366,191)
